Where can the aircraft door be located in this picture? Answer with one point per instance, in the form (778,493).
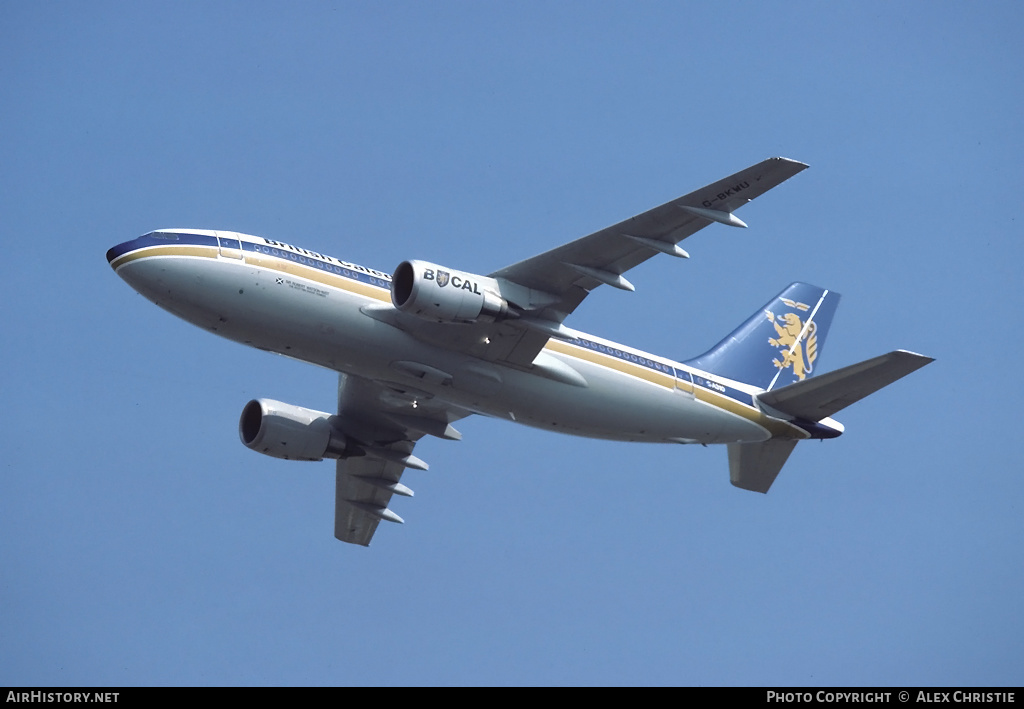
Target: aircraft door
(684,382)
(230,246)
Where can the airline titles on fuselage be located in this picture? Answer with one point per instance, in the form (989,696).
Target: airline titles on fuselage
(328,259)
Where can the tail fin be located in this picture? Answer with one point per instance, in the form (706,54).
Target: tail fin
(778,345)
(777,349)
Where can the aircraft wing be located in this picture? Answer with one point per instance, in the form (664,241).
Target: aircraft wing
(550,286)
(383,421)
(568,273)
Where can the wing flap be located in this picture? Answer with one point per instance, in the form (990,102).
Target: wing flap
(362,491)
(385,422)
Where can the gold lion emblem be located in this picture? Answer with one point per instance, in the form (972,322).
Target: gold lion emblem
(797,342)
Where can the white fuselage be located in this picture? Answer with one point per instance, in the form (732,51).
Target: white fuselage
(324,311)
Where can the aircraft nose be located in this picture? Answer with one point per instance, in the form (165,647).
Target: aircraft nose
(116,251)
(112,254)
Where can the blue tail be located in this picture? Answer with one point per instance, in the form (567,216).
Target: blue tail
(778,345)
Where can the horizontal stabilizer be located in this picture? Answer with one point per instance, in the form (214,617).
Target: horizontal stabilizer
(754,466)
(820,397)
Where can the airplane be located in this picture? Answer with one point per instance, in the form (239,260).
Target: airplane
(420,348)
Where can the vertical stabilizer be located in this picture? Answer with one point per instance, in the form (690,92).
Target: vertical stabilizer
(780,344)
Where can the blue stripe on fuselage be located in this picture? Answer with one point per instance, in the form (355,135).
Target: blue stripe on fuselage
(160,238)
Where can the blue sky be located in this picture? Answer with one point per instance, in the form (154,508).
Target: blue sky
(143,544)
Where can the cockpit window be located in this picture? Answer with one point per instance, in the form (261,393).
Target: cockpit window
(170,236)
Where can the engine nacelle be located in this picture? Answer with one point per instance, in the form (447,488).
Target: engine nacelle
(290,432)
(441,294)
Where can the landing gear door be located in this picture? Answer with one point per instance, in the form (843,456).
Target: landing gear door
(230,246)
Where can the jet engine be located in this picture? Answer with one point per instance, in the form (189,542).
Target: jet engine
(441,294)
(291,432)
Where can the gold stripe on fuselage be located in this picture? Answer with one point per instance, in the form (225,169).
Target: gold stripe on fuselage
(147,251)
(776,427)
(310,273)
(271,263)
(720,401)
(609,362)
